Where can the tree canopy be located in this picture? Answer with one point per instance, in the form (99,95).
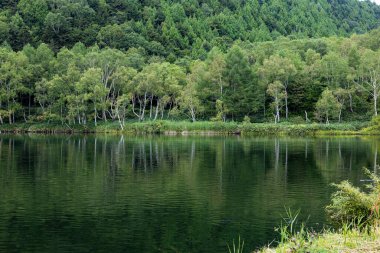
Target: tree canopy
(177,27)
(87,61)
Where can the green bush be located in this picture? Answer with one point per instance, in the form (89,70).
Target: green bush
(373,127)
(349,204)
(246,119)
(375,121)
(297,120)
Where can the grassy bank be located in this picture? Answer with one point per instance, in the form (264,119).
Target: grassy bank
(185,128)
(352,241)
(354,211)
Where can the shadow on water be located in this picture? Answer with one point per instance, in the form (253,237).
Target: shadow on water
(165,194)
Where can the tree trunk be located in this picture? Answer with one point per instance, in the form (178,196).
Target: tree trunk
(133,107)
(286,105)
(104,116)
(192,111)
(375,102)
(277,111)
(157,107)
(95,116)
(120,122)
(144,106)
(350,96)
(340,115)
(151,107)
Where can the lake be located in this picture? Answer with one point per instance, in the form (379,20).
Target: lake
(166,194)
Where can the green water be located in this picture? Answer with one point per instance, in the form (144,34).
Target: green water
(165,194)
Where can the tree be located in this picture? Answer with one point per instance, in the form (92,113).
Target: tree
(277,91)
(68,94)
(277,68)
(12,75)
(92,89)
(341,95)
(33,11)
(108,61)
(122,92)
(19,33)
(4,31)
(328,106)
(159,83)
(238,76)
(189,99)
(41,66)
(216,65)
(369,75)
(221,110)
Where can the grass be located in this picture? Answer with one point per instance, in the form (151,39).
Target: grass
(358,214)
(201,127)
(236,248)
(351,237)
(350,241)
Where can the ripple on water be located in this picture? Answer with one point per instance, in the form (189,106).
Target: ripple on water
(193,194)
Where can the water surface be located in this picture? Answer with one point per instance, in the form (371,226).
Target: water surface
(165,194)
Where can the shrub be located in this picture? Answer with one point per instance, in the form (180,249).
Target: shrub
(374,126)
(351,205)
(246,120)
(297,120)
(375,121)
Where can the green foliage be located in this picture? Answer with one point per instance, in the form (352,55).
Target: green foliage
(277,91)
(49,122)
(374,126)
(292,234)
(328,106)
(349,204)
(375,121)
(179,28)
(196,60)
(355,211)
(299,129)
(246,119)
(297,120)
(239,248)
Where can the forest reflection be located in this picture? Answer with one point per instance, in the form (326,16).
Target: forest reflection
(168,189)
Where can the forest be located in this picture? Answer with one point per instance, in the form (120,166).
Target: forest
(82,62)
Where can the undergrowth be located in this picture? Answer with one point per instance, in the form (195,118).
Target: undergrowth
(356,215)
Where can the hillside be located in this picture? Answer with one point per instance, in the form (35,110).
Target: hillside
(80,62)
(178,28)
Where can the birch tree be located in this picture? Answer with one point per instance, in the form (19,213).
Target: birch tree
(328,106)
(277,91)
(369,75)
(280,69)
(189,98)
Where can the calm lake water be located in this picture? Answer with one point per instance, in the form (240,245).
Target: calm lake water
(165,194)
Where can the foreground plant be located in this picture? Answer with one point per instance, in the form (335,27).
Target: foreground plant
(354,211)
(236,248)
(354,206)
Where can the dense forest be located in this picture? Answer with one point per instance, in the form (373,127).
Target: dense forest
(178,28)
(83,61)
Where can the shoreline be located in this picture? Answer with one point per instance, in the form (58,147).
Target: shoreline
(203,128)
(353,241)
